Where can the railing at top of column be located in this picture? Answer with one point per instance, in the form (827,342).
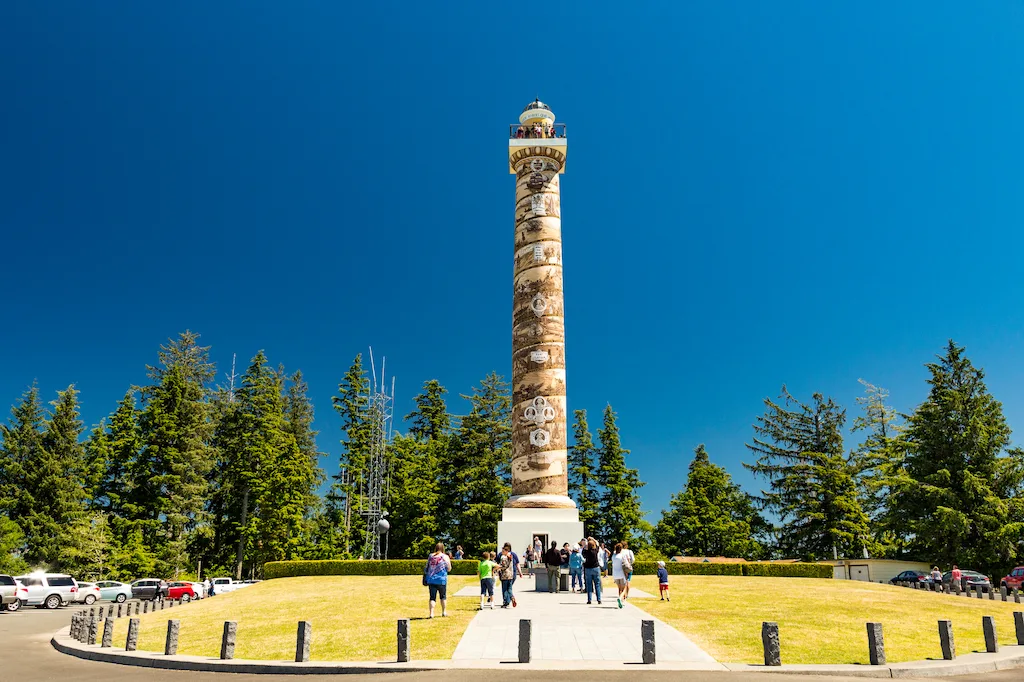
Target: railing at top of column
(521,132)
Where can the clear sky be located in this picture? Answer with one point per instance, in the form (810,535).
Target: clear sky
(756,194)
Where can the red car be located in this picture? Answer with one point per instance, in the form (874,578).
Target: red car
(1014,580)
(182,591)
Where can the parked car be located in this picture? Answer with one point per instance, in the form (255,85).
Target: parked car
(8,592)
(49,590)
(22,597)
(199,589)
(1014,580)
(149,588)
(974,579)
(181,590)
(225,585)
(114,591)
(87,594)
(911,576)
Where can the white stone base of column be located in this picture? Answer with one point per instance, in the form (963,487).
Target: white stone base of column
(518,527)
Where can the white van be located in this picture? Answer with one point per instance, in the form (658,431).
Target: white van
(49,589)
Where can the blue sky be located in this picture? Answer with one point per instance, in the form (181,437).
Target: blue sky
(756,194)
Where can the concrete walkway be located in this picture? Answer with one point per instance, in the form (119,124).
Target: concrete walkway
(566,629)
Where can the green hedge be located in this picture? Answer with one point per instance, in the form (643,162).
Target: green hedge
(788,570)
(288,569)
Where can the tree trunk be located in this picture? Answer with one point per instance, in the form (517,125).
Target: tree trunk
(241,534)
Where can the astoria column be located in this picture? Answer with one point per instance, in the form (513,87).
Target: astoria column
(537,149)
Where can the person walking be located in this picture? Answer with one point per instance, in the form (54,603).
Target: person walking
(506,571)
(576,569)
(628,559)
(553,563)
(602,559)
(486,571)
(592,570)
(538,548)
(435,577)
(618,573)
(936,575)
(956,578)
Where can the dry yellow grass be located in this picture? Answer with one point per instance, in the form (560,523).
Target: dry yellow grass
(820,621)
(354,619)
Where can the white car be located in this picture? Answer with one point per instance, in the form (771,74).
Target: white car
(88,594)
(199,589)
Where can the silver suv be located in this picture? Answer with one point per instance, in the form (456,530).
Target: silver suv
(49,589)
(8,592)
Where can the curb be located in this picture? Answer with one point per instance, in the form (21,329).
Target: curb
(1009,658)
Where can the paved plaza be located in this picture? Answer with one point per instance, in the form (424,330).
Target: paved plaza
(565,628)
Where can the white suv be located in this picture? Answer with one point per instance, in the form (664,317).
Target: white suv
(49,589)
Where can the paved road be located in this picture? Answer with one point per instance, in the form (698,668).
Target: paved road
(26,656)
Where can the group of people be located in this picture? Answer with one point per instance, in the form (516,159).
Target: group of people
(587,562)
(537,132)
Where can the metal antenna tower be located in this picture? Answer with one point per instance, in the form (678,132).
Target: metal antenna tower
(380,413)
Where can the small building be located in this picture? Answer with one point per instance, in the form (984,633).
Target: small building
(873,570)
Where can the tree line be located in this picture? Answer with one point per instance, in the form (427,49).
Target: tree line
(186,473)
(941,484)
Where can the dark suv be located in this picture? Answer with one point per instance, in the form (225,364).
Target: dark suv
(149,588)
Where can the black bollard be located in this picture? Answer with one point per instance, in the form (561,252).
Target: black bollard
(303,640)
(770,641)
(988,624)
(525,635)
(171,643)
(1018,626)
(946,640)
(132,643)
(876,644)
(227,640)
(647,640)
(403,640)
(108,633)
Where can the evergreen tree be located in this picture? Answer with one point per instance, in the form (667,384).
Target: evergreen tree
(961,498)
(52,481)
(12,540)
(84,548)
(582,477)
(621,516)
(176,429)
(879,465)
(299,415)
(21,445)
(430,420)
(711,516)
(345,499)
(813,484)
(483,446)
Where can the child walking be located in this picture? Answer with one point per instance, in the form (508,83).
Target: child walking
(663,581)
(486,570)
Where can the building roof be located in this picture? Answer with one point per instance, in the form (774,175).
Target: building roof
(536,104)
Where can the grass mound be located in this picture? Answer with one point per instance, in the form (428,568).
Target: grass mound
(353,619)
(820,621)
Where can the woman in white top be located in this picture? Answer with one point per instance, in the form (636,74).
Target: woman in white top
(618,575)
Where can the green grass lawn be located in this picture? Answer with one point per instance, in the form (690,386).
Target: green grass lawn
(820,621)
(354,619)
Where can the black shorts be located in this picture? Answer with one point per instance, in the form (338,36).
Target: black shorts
(438,590)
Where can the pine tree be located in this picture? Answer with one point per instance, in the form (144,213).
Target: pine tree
(430,420)
(879,465)
(711,516)
(52,480)
(20,447)
(813,484)
(582,477)
(345,499)
(84,548)
(962,499)
(176,429)
(299,415)
(621,516)
(483,446)
(12,540)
